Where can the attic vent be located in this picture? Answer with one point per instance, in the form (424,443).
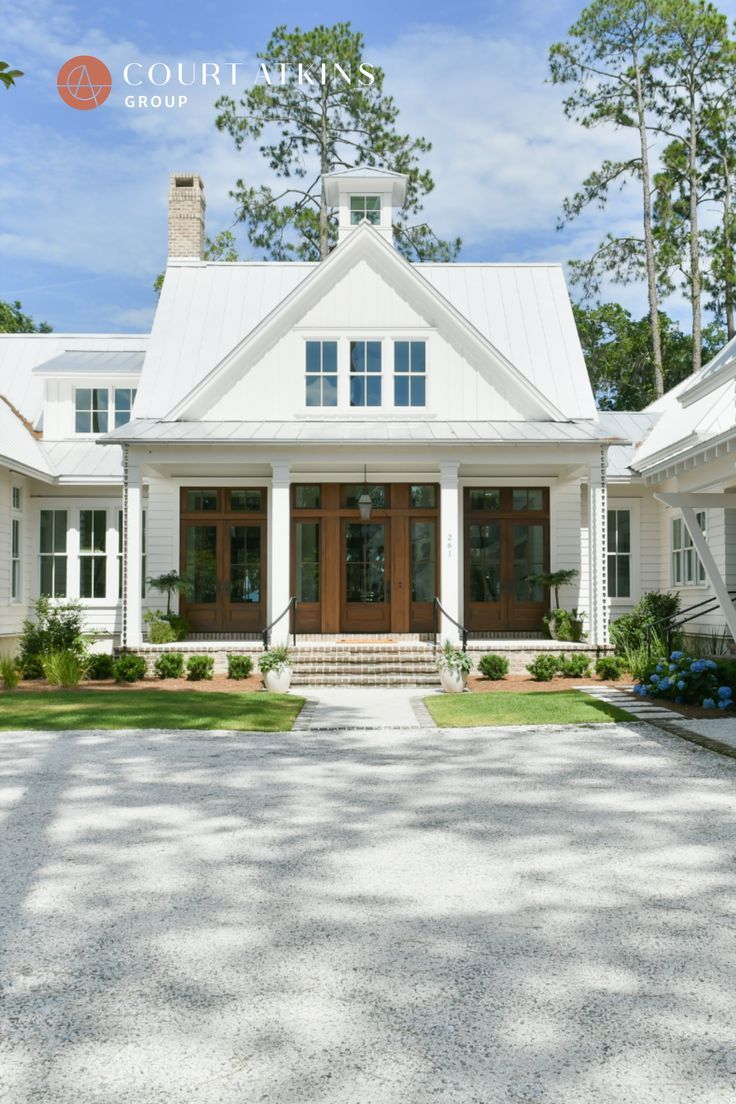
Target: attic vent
(185,181)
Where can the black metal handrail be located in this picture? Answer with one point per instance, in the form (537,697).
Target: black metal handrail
(463,631)
(676,621)
(266,634)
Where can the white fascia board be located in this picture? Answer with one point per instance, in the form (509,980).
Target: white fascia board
(670,458)
(25,469)
(361,241)
(697,500)
(707,386)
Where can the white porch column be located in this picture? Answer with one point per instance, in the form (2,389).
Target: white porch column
(279,545)
(132,634)
(449,550)
(597,541)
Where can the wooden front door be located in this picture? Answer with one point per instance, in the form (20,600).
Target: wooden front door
(366,594)
(223,559)
(506,540)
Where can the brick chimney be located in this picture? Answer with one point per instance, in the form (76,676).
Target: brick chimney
(186,216)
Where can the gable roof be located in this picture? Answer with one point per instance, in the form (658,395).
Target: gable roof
(210,317)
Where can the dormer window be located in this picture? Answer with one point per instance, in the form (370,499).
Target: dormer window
(93,408)
(365,207)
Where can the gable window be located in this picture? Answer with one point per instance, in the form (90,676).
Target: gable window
(365,373)
(365,207)
(90,413)
(687,570)
(321,373)
(619,553)
(410,380)
(52,548)
(92,553)
(124,399)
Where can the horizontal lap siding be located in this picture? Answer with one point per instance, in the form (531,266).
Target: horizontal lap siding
(566,543)
(162,535)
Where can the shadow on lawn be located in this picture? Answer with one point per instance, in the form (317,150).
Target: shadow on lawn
(357,918)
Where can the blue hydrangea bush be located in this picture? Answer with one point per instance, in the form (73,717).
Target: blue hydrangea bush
(687,681)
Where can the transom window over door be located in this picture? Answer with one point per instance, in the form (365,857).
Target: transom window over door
(365,373)
(321,373)
(410,380)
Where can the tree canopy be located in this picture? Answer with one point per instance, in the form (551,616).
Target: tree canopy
(340,117)
(14,320)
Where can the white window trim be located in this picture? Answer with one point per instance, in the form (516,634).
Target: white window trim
(73,506)
(90,387)
(111,386)
(633,505)
(701,584)
(386,339)
(426,374)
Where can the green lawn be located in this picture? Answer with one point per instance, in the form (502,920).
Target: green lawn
(509,708)
(70,709)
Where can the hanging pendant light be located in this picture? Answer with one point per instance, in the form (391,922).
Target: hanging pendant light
(365,503)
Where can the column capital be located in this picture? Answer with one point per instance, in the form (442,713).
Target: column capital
(449,472)
(280,473)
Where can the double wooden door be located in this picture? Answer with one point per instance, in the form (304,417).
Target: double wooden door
(224,565)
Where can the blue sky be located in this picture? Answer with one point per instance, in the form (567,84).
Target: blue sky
(83,194)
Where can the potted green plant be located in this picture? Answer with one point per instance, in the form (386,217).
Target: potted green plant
(556,621)
(275,666)
(454,666)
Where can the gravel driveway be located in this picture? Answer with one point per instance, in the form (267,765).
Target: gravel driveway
(365,918)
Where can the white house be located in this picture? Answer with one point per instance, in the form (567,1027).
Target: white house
(363,435)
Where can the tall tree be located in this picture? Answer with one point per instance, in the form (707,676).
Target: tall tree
(696,60)
(618,353)
(13,320)
(335,118)
(608,61)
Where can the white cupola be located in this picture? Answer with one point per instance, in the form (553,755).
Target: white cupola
(365,195)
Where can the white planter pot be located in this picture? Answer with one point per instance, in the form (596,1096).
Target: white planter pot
(278,680)
(453,681)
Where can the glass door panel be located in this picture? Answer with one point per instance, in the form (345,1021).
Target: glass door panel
(365,563)
(528,560)
(484,555)
(200,568)
(245,564)
(307,561)
(423,560)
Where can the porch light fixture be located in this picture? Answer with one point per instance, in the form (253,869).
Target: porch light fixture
(365,505)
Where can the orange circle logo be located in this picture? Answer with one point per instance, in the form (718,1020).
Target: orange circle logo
(84,82)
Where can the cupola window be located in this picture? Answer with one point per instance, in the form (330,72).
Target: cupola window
(365,207)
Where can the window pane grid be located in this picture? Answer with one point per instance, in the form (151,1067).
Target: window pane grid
(91,407)
(619,553)
(321,373)
(687,568)
(365,207)
(124,399)
(410,373)
(52,549)
(92,557)
(365,373)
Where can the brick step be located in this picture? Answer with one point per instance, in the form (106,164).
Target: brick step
(353,679)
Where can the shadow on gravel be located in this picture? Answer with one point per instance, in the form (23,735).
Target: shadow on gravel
(544,916)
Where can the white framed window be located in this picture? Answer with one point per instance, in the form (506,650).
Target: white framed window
(365,373)
(410,373)
(53,553)
(90,409)
(124,399)
(365,207)
(687,569)
(16,498)
(619,553)
(92,553)
(15,584)
(321,373)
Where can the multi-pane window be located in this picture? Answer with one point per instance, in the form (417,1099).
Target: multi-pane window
(365,207)
(120,553)
(619,553)
(91,409)
(52,548)
(410,379)
(92,553)
(16,498)
(365,373)
(686,566)
(321,373)
(15,559)
(124,399)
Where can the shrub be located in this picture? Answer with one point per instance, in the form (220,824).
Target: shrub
(629,631)
(239,666)
(129,668)
(57,628)
(160,631)
(610,667)
(179,624)
(100,666)
(169,665)
(274,659)
(574,666)
(9,672)
(200,667)
(65,669)
(493,666)
(686,680)
(543,668)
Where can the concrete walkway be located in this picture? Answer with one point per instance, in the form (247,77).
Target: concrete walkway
(509,916)
(331,707)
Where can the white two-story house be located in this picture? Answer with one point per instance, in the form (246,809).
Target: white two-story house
(363,435)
